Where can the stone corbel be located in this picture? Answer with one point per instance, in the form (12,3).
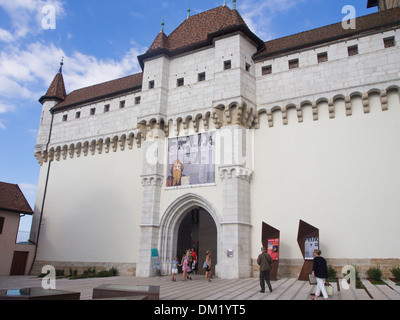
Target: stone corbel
(365,102)
(71,150)
(235,171)
(65,152)
(78,149)
(331,108)
(92,147)
(315,110)
(299,113)
(347,101)
(85,148)
(384,100)
(99,146)
(122,142)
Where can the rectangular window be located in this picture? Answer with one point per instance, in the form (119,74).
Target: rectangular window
(93,111)
(227,65)
(353,50)
(137,100)
(180,82)
(201,77)
(77,115)
(65,117)
(389,42)
(266,70)
(151,84)
(122,104)
(322,57)
(248,67)
(293,64)
(106,108)
(1,224)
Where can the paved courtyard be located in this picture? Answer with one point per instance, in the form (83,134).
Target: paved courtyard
(218,289)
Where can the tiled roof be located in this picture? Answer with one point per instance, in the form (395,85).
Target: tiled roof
(56,90)
(12,199)
(198,31)
(101,91)
(364,24)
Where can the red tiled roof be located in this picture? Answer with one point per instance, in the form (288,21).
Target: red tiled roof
(372,22)
(56,90)
(101,91)
(198,31)
(12,199)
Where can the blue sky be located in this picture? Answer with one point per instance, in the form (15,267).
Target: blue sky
(100,40)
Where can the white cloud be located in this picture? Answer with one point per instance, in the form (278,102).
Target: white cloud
(26,17)
(259,14)
(27,73)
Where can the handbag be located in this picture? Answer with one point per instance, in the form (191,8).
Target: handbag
(205,265)
(328,288)
(312,279)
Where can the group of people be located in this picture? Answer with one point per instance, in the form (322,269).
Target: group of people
(320,272)
(189,265)
(264,260)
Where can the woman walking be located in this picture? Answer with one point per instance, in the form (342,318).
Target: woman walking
(320,272)
(208,268)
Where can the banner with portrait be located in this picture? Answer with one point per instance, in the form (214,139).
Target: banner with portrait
(191,160)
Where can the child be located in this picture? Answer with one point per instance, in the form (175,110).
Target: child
(174,268)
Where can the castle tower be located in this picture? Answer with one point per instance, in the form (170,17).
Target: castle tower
(55,94)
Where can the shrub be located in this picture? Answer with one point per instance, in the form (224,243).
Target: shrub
(331,273)
(396,273)
(375,273)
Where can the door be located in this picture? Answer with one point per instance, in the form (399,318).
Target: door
(18,265)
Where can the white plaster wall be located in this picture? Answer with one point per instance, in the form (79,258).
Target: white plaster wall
(93,209)
(340,175)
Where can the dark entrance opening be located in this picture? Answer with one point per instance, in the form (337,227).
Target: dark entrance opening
(198,231)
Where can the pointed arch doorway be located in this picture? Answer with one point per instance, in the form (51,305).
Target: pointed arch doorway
(179,229)
(198,231)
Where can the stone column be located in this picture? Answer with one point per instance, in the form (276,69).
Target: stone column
(152,181)
(235,171)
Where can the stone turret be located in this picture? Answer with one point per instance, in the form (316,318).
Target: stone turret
(54,95)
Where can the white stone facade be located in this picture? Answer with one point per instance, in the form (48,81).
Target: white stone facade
(317,143)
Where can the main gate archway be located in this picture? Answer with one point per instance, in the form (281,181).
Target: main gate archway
(171,222)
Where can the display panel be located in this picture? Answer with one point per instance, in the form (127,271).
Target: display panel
(191,160)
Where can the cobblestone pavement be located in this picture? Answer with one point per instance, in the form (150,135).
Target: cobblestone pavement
(217,289)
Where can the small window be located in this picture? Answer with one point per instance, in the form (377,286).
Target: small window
(65,117)
(180,82)
(389,42)
(227,65)
(1,224)
(122,104)
(266,70)
(77,115)
(248,67)
(93,111)
(137,100)
(201,77)
(293,64)
(322,57)
(151,84)
(106,108)
(353,50)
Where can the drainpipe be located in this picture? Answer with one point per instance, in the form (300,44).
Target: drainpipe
(44,195)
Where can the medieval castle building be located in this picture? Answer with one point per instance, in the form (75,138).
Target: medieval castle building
(220,135)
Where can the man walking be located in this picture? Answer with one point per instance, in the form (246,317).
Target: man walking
(264,260)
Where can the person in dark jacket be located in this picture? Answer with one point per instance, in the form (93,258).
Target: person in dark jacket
(264,260)
(320,272)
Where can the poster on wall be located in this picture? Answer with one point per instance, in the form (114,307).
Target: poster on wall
(273,248)
(191,160)
(310,244)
